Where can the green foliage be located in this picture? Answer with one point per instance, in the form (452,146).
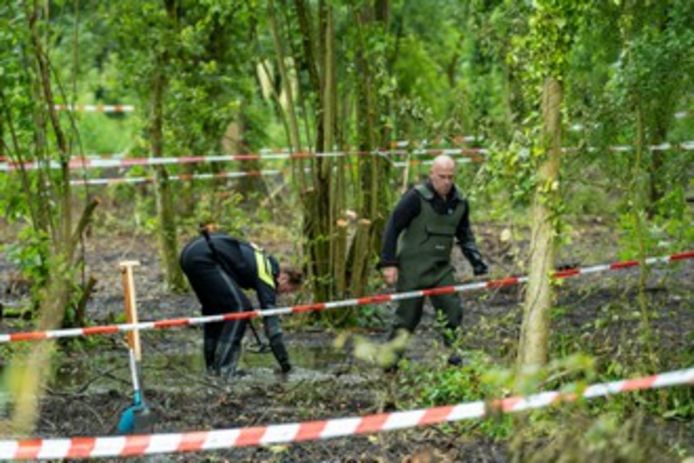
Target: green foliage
(223,208)
(511,172)
(635,238)
(200,47)
(605,438)
(578,368)
(30,255)
(430,385)
(104,134)
(12,206)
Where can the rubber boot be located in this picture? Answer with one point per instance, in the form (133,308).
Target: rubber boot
(209,348)
(280,353)
(451,337)
(228,348)
(229,368)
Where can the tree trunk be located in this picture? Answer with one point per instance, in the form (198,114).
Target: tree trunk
(61,141)
(324,234)
(29,370)
(532,349)
(167,231)
(640,203)
(372,169)
(656,189)
(294,138)
(235,143)
(324,199)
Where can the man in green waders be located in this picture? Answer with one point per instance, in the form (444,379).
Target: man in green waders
(416,252)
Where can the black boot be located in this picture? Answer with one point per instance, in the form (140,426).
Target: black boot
(209,348)
(280,353)
(228,350)
(229,368)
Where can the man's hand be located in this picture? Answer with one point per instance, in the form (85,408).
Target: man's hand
(480,269)
(390,275)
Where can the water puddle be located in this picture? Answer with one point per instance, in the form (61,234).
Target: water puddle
(320,358)
(310,362)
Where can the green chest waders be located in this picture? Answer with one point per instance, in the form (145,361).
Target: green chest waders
(424,258)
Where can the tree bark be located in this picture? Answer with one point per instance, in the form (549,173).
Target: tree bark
(532,349)
(167,231)
(294,138)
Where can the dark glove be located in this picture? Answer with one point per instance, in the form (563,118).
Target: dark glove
(480,268)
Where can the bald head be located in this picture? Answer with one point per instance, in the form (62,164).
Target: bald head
(443,161)
(442,174)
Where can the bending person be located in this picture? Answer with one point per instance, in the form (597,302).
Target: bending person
(218,268)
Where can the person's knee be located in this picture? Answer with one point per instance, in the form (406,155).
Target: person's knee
(452,308)
(408,315)
(272,327)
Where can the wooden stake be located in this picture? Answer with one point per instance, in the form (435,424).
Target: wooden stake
(340,258)
(133,337)
(361,256)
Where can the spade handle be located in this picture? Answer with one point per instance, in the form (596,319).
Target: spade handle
(133,337)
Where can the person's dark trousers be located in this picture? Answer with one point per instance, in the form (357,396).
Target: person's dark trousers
(211,332)
(217,294)
(409,311)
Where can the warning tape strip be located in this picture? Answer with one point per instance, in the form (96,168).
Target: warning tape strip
(109,181)
(86,163)
(148,444)
(98,108)
(400,164)
(475,154)
(318,306)
(129,108)
(180,177)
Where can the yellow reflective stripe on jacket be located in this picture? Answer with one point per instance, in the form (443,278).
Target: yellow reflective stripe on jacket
(264,268)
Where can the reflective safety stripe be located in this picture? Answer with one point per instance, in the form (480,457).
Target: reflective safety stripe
(264,268)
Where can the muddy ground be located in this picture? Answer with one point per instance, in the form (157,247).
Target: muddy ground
(92,385)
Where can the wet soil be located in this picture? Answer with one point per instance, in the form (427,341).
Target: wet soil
(597,314)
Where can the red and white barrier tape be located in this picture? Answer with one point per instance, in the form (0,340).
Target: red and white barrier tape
(148,444)
(401,164)
(181,177)
(188,177)
(318,306)
(86,163)
(98,108)
(457,140)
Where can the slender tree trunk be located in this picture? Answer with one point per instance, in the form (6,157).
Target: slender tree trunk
(30,369)
(276,99)
(235,142)
(332,201)
(640,210)
(532,349)
(322,201)
(61,139)
(373,202)
(294,138)
(656,189)
(167,232)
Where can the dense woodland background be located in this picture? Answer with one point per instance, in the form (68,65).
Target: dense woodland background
(546,89)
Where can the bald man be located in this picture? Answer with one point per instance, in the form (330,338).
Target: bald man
(417,243)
